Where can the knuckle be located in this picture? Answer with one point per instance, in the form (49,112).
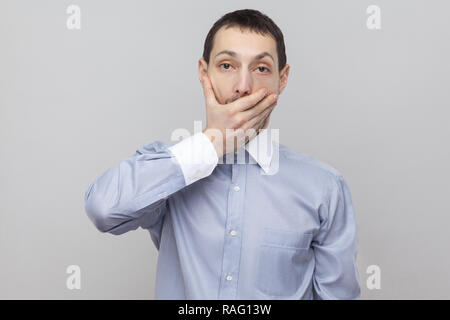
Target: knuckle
(239,119)
(270,100)
(253,100)
(230,112)
(240,103)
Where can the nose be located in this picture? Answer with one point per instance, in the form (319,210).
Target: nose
(243,85)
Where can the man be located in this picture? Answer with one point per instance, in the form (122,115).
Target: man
(263,228)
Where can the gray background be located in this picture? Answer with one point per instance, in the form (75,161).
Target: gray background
(372,103)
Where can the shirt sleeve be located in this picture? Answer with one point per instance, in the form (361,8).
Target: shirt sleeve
(134,193)
(335,246)
(196,156)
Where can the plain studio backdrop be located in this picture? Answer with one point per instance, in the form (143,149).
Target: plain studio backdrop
(373,103)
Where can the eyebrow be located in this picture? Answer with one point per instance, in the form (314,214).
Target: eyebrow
(257,57)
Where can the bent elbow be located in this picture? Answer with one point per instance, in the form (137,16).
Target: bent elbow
(97,209)
(97,214)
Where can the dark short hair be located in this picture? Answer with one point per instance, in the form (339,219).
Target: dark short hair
(248,19)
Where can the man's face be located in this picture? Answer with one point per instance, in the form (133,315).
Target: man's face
(241,62)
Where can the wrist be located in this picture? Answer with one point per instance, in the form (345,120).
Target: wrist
(213,136)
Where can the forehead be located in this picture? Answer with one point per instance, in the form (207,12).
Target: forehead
(244,42)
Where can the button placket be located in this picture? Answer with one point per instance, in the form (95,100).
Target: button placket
(233,240)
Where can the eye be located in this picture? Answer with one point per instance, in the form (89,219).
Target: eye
(225,64)
(263,68)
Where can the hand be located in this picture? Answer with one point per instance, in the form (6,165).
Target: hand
(246,116)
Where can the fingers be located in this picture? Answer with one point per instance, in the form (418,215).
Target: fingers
(253,131)
(256,121)
(208,91)
(249,101)
(262,123)
(260,107)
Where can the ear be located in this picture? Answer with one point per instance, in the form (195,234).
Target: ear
(202,68)
(284,73)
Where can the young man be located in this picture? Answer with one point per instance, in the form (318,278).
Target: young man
(277,225)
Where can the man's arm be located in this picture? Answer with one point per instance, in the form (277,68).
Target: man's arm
(335,246)
(134,192)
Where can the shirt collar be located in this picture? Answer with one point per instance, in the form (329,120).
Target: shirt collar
(260,148)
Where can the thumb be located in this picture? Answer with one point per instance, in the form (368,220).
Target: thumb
(208,91)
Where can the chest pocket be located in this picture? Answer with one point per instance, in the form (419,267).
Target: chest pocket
(283,257)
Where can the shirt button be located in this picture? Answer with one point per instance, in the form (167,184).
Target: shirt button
(236,188)
(233,232)
(229,278)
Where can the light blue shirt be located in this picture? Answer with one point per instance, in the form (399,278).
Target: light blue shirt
(277,224)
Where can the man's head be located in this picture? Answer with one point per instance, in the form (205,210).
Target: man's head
(244,51)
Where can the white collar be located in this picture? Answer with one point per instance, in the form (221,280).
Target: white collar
(261,148)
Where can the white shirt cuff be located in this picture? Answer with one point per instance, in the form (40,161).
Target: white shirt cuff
(196,156)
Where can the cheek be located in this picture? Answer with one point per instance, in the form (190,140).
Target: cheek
(220,90)
(270,86)
(266,82)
